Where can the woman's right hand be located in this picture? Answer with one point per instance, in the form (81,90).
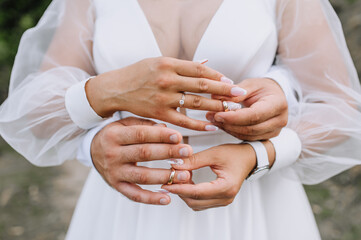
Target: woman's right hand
(118,147)
(153,87)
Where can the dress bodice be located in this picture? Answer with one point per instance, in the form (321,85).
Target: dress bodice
(245,48)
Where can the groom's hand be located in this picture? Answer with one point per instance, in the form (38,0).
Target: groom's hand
(118,147)
(264,114)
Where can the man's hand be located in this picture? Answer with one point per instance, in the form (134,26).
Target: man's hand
(264,114)
(119,146)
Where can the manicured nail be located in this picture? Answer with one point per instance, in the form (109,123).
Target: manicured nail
(182,176)
(232,106)
(237,91)
(218,119)
(226,80)
(211,128)
(202,61)
(163,201)
(162,190)
(175,161)
(184,152)
(174,138)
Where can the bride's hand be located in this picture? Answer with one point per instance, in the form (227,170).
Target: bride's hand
(232,163)
(153,88)
(119,146)
(264,114)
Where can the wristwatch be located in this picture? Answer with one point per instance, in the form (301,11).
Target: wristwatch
(262,166)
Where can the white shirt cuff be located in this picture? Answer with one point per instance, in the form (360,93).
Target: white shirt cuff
(84,151)
(78,107)
(287,147)
(280,76)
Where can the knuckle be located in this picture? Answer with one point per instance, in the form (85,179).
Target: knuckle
(171,152)
(144,153)
(135,198)
(182,122)
(228,201)
(248,130)
(284,121)
(225,90)
(193,159)
(195,195)
(202,85)
(255,118)
(110,154)
(200,69)
(197,101)
(231,192)
(163,63)
(137,177)
(140,135)
(163,81)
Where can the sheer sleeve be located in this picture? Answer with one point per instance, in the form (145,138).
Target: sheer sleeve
(52,57)
(327,115)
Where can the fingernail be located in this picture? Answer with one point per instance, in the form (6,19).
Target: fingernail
(226,80)
(218,119)
(162,190)
(203,61)
(184,152)
(175,161)
(174,138)
(211,128)
(232,106)
(210,118)
(182,176)
(237,91)
(163,201)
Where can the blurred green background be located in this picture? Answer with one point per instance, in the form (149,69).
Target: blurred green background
(37,203)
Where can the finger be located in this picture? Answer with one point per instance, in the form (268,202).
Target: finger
(152,151)
(197,70)
(271,125)
(182,120)
(198,102)
(216,189)
(145,134)
(129,121)
(145,175)
(203,85)
(200,205)
(137,194)
(259,112)
(265,136)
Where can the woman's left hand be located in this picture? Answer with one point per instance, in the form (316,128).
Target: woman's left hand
(264,114)
(231,163)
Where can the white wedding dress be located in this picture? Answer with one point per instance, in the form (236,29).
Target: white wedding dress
(241,41)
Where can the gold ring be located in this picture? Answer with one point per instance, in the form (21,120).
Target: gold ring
(171,177)
(225,106)
(181,102)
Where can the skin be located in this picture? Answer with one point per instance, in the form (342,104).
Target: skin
(114,156)
(118,148)
(153,87)
(232,163)
(264,115)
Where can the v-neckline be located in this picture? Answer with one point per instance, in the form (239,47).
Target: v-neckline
(206,31)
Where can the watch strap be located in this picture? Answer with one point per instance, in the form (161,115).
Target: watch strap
(261,158)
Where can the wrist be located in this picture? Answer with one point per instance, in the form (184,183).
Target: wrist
(101,94)
(262,160)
